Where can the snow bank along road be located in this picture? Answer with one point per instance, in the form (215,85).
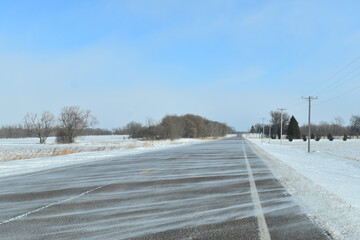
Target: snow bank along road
(325,182)
(216,190)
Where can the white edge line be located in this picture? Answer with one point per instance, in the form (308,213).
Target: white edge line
(263,228)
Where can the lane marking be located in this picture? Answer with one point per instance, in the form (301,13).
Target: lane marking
(263,228)
(146,171)
(50,205)
(59,202)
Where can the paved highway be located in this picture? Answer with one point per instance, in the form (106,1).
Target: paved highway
(216,190)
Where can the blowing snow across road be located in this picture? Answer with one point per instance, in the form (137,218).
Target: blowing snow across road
(215,190)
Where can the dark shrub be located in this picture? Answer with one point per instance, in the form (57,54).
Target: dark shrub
(330,137)
(345,137)
(304,138)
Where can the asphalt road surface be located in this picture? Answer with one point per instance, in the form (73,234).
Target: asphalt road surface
(216,190)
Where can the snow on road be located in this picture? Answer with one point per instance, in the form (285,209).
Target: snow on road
(88,148)
(325,181)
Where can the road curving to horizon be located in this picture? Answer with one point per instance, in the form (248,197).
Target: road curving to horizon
(215,190)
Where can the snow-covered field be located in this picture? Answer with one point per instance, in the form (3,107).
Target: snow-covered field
(326,181)
(24,148)
(18,156)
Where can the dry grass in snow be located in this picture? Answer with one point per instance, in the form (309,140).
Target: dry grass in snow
(26,148)
(16,149)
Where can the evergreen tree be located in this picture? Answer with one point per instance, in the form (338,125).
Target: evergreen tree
(252,130)
(330,137)
(293,129)
(345,137)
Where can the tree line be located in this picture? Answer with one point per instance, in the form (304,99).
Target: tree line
(323,129)
(173,126)
(18,131)
(73,122)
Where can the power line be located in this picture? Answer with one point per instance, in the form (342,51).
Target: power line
(334,75)
(335,85)
(340,95)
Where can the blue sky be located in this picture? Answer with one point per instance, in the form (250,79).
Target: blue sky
(230,61)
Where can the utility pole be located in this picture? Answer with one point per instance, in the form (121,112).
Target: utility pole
(262,135)
(269,132)
(309,132)
(281,110)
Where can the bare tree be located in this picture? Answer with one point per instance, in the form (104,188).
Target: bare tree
(212,127)
(355,125)
(276,122)
(172,127)
(339,121)
(74,120)
(41,126)
(150,122)
(324,128)
(337,126)
(133,129)
(151,129)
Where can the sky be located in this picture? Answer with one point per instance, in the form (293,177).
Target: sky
(229,61)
